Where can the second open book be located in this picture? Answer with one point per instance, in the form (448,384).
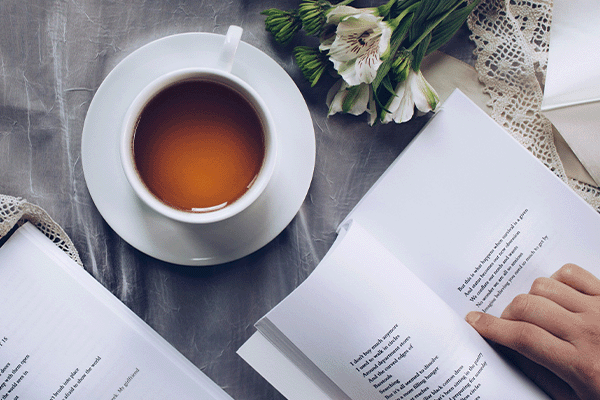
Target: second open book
(463,220)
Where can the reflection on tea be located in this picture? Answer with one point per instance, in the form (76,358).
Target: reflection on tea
(198,145)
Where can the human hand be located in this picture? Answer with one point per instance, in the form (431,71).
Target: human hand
(557,326)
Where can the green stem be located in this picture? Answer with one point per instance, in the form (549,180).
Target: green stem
(396,21)
(385,9)
(432,27)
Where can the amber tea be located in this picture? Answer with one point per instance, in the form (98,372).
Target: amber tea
(198,145)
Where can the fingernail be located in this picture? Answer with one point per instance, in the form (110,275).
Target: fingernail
(473,317)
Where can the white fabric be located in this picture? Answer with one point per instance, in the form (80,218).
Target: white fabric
(573,76)
(512,39)
(572,89)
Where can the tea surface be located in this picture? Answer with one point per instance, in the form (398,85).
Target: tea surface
(198,145)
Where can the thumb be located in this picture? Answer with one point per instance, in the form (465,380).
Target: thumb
(486,325)
(495,329)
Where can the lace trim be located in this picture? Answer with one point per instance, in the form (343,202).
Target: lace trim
(16,211)
(512,39)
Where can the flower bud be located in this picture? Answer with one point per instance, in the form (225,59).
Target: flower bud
(401,66)
(313,14)
(283,25)
(312,62)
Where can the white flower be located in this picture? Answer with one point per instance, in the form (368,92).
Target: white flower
(413,92)
(354,100)
(361,38)
(338,13)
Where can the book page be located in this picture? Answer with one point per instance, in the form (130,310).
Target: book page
(63,336)
(278,370)
(362,326)
(474,215)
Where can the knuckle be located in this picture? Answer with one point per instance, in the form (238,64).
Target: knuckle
(540,286)
(519,307)
(567,271)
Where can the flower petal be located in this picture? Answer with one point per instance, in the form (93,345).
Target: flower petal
(394,104)
(335,97)
(360,40)
(354,100)
(367,66)
(401,107)
(406,109)
(426,98)
(411,92)
(372,110)
(361,102)
(356,35)
(348,72)
(338,13)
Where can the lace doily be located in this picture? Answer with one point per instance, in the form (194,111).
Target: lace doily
(16,211)
(511,39)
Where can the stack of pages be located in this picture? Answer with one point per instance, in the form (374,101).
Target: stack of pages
(464,219)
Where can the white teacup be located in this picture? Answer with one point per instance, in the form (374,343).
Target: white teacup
(198,144)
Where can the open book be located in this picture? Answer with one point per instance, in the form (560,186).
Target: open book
(464,219)
(64,336)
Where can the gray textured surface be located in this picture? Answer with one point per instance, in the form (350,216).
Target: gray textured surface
(53,57)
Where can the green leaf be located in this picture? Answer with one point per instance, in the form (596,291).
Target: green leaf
(398,37)
(389,86)
(402,5)
(384,99)
(419,52)
(429,27)
(448,28)
(422,14)
(385,9)
(443,6)
(352,94)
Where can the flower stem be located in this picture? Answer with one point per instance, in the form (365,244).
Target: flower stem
(431,27)
(396,21)
(385,9)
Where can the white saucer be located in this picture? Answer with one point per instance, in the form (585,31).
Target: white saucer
(177,242)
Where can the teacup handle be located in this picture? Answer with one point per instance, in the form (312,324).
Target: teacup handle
(232,40)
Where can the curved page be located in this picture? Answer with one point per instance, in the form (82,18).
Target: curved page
(475,215)
(362,326)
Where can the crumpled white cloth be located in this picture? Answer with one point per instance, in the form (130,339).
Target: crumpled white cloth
(512,40)
(572,89)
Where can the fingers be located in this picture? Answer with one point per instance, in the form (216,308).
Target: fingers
(530,340)
(541,312)
(560,293)
(569,287)
(555,325)
(579,279)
